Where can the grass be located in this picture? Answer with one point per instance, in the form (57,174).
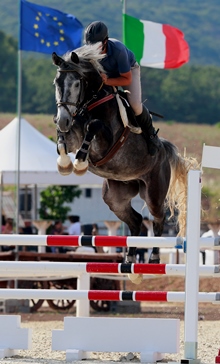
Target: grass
(189,138)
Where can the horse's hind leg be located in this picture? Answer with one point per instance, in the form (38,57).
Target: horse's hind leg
(118,195)
(154,192)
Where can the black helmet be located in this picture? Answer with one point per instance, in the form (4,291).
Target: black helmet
(96,31)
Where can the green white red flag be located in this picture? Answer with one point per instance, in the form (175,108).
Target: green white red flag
(155,45)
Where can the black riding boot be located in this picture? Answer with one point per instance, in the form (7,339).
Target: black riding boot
(144,120)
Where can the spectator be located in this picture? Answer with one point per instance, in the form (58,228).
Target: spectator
(2,228)
(95,231)
(3,222)
(58,229)
(75,226)
(8,229)
(28,229)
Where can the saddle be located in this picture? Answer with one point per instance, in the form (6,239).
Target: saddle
(130,112)
(126,112)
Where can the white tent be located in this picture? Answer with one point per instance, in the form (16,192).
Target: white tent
(38,157)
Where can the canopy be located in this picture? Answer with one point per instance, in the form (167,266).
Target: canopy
(38,157)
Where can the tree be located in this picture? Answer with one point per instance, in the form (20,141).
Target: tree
(8,73)
(52,201)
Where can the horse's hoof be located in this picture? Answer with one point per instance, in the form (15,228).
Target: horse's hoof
(154,259)
(64,165)
(80,168)
(79,173)
(65,171)
(136,278)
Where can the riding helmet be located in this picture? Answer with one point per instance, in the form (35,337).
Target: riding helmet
(95,32)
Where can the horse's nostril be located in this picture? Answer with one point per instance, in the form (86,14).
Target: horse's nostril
(55,119)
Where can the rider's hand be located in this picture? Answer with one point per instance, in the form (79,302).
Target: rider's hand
(104,77)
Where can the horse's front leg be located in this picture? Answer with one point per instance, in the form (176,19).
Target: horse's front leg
(80,164)
(64,163)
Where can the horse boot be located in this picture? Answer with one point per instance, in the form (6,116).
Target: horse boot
(144,120)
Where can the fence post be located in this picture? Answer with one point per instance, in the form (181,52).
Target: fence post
(83,306)
(192,265)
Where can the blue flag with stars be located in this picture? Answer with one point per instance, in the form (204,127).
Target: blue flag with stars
(48,30)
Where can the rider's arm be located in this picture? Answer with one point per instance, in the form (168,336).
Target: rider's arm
(123,80)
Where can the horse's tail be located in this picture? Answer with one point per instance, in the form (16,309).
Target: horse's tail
(177,193)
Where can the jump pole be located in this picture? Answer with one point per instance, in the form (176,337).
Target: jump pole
(105,241)
(61,270)
(192,268)
(106,295)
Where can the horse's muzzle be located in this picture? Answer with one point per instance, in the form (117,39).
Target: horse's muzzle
(63,126)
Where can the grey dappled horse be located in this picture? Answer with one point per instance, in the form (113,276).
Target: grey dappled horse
(89,124)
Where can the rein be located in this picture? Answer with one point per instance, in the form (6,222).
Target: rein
(101,101)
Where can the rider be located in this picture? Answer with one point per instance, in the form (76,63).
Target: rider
(123,70)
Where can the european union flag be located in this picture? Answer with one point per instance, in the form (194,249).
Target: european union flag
(48,30)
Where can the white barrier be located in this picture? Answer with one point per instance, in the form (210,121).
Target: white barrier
(12,336)
(150,337)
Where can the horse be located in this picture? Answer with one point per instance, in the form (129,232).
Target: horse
(94,122)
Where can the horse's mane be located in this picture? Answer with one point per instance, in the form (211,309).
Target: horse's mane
(88,54)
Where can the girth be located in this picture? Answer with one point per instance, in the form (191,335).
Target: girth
(113,149)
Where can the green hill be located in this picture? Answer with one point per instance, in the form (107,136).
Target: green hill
(198,19)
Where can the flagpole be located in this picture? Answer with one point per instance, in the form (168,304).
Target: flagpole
(19,101)
(123,6)
(19,91)
(123,25)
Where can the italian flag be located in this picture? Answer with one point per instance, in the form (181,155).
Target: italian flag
(155,45)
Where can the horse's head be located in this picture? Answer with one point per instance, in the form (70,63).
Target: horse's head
(69,90)
(76,71)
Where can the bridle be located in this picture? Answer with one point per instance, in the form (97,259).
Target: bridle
(77,104)
(81,106)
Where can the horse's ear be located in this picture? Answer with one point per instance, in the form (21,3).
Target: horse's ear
(74,58)
(56,59)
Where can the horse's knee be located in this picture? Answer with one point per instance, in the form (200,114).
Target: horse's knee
(97,126)
(94,126)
